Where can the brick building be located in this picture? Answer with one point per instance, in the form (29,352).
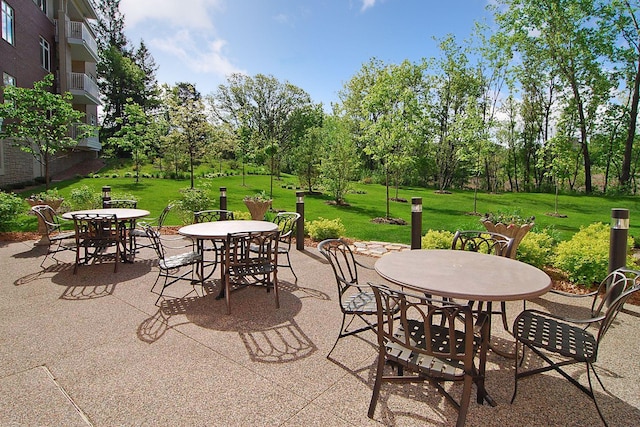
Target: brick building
(49,36)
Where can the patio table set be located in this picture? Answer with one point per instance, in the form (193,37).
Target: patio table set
(431,310)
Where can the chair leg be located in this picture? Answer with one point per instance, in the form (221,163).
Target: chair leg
(590,368)
(464,401)
(376,386)
(344,317)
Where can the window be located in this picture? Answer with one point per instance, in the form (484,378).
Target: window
(8,23)
(42,4)
(45,57)
(8,80)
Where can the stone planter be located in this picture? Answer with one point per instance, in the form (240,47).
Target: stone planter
(257,208)
(42,227)
(516,232)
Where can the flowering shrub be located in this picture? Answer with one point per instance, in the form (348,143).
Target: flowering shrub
(437,239)
(322,228)
(10,207)
(537,249)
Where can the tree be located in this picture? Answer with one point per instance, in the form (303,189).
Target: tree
(39,121)
(339,158)
(189,127)
(134,134)
(566,35)
(392,108)
(264,107)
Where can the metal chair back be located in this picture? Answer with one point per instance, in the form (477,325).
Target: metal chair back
(212,215)
(482,241)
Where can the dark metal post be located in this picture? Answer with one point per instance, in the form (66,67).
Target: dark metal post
(416,222)
(223,202)
(106,195)
(300,224)
(618,241)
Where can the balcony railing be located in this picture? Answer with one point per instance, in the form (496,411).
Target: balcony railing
(81,40)
(84,89)
(91,142)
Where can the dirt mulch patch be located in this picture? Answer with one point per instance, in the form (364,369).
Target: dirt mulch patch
(391,221)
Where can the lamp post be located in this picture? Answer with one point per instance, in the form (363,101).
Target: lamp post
(416,222)
(300,225)
(106,195)
(618,242)
(223,202)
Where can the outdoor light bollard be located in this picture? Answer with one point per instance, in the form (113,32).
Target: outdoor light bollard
(223,202)
(618,242)
(300,224)
(416,222)
(106,195)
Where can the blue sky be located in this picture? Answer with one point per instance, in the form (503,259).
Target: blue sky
(317,45)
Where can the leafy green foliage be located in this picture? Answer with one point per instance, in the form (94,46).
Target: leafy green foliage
(537,248)
(585,257)
(11,206)
(83,197)
(323,228)
(193,200)
(437,239)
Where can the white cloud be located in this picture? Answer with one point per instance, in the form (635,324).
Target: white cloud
(195,14)
(366,4)
(200,56)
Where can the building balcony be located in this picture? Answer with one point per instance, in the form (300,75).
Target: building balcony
(83,89)
(89,143)
(82,42)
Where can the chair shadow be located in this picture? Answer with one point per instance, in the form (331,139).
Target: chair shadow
(269,335)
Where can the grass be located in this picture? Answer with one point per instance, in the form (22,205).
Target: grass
(440,211)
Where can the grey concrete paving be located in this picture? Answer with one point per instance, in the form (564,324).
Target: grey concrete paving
(93,349)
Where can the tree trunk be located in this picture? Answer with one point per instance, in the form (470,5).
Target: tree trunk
(631,131)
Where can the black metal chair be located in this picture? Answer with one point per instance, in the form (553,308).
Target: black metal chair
(95,233)
(286,222)
(430,340)
(120,204)
(568,339)
(156,225)
(58,240)
(489,243)
(355,299)
(212,215)
(169,265)
(243,266)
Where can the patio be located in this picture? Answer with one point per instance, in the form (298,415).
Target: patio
(93,349)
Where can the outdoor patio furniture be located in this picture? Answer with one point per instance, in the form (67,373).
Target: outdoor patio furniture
(242,266)
(120,204)
(430,340)
(549,335)
(213,215)
(355,300)
(489,243)
(169,265)
(140,231)
(286,222)
(94,234)
(57,239)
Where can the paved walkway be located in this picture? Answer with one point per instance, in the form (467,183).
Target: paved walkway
(92,349)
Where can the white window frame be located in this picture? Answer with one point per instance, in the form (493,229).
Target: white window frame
(8,23)
(8,80)
(45,54)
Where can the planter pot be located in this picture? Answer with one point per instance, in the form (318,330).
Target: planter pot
(516,232)
(42,227)
(257,208)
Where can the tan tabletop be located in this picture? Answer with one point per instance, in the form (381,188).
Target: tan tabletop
(120,213)
(464,275)
(219,229)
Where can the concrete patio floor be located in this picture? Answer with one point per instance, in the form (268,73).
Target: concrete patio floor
(93,349)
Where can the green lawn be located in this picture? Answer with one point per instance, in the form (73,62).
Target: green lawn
(440,211)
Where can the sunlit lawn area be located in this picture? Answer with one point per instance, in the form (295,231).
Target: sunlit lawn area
(440,212)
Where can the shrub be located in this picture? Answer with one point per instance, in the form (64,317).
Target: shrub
(11,206)
(322,228)
(193,200)
(241,215)
(83,198)
(536,249)
(585,258)
(437,239)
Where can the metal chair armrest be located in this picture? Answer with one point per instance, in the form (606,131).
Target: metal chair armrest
(562,318)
